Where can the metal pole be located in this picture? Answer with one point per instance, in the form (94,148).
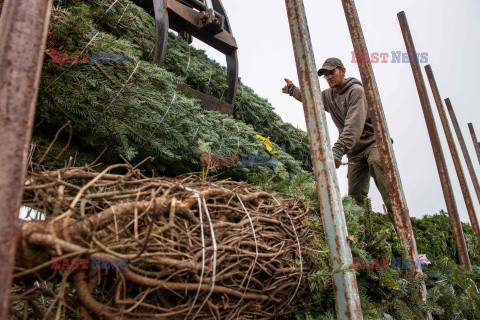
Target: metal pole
(384,142)
(454,219)
(467,159)
(475,142)
(331,209)
(430,121)
(23,33)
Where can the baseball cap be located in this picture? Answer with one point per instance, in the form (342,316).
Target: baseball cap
(330,64)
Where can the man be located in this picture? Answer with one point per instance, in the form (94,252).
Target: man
(346,103)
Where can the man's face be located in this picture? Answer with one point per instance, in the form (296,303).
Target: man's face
(335,78)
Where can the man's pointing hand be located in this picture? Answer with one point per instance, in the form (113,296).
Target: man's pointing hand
(288,89)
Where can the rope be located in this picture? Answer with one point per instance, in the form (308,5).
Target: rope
(38,285)
(238,137)
(75,159)
(33,146)
(111,6)
(188,64)
(221,137)
(196,131)
(214,242)
(203,250)
(254,261)
(122,15)
(134,70)
(299,252)
(168,109)
(256,249)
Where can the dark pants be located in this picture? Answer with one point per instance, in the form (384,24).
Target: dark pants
(361,167)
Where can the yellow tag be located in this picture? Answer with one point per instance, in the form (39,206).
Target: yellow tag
(266,143)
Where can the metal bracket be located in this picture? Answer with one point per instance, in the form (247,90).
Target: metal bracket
(211,23)
(206,21)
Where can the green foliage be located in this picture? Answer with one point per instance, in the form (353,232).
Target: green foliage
(133,109)
(436,239)
(390,293)
(455,289)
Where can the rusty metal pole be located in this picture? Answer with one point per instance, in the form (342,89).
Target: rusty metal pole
(474,139)
(465,154)
(430,120)
(331,208)
(456,224)
(23,34)
(384,142)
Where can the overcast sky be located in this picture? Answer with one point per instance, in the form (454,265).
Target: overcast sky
(447,30)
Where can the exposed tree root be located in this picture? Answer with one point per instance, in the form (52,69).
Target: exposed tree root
(132,247)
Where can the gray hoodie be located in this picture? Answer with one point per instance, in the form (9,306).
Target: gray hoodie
(349,112)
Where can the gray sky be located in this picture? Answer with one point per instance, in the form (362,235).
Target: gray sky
(447,30)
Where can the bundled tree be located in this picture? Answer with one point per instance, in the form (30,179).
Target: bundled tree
(127,246)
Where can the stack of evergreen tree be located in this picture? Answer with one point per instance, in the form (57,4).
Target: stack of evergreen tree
(134,110)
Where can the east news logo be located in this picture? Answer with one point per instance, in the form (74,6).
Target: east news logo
(95,263)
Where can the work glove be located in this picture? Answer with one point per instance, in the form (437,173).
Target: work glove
(337,156)
(288,89)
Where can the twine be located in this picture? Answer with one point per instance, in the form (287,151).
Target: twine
(111,6)
(214,271)
(299,253)
(75,159)
(238,137)
(196,131)
(203,250)
(33,146)
(252,268)
(122,14)
(119,91)
(188,64)
(168,109)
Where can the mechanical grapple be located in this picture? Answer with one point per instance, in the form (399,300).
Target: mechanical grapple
(205,20)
